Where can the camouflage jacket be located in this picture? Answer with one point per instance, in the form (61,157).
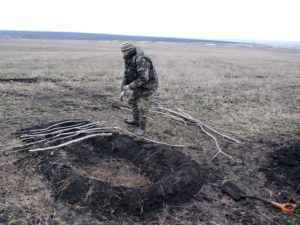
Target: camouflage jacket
(140,74)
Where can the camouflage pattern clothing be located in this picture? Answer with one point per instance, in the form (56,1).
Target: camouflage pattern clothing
(142,79)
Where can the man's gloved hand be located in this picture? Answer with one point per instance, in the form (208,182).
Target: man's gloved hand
(122,94)
(125,88)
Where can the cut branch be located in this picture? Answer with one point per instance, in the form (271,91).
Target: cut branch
(34,135)
(70,142)
(198,122)
(50,127)
(186,116)
(57,136)
(147,139)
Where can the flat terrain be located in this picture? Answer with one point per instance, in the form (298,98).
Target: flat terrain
(248,92)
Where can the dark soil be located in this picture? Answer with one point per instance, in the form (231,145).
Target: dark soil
(22,80)
(284,167)
(174,177)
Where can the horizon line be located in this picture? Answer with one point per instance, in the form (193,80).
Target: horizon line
(252,41)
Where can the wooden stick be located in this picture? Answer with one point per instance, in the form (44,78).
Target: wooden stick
(73,134)
(70,142)
(86,126)
(192,119)
(219,149)
(170,116)
(47,128)
(201,125)
(25,147)
(53,129)
(157,142)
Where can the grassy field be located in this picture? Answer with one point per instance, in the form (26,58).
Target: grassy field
(250,92)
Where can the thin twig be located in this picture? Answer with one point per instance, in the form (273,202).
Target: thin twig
(170,116)
(219,149)
(188,117)
(70,142)
(74,134)
(192,119)
(86,126)
(157,142)
(53,129)
(56,137)
(48,128)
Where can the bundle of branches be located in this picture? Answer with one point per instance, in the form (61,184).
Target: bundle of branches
(185,117)
(65,133)
(59,135)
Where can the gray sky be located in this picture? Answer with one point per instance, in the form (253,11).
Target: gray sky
(203,19)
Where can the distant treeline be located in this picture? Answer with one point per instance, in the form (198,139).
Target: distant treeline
(6,34)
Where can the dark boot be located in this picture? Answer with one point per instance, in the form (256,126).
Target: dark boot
(135,121)
(142,128)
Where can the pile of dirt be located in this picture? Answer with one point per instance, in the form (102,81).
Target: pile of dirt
(284,167)
(121,175)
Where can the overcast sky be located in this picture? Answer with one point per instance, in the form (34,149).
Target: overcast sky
(203,19)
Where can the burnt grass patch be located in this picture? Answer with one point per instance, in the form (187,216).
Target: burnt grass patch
(120,175)
(22,80)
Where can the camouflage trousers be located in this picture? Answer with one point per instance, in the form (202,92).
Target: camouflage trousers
(140,105)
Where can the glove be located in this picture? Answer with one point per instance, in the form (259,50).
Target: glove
(122,94)
(126,88)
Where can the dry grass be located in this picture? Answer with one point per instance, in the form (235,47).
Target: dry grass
(117,172)
(244,91)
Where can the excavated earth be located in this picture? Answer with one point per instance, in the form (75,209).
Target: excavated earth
(120,176)
(86,175)
(284,167)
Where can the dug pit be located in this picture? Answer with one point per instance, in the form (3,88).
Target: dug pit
(121,175)
(284,167)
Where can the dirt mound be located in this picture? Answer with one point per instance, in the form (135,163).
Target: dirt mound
(121,175)
(284,168)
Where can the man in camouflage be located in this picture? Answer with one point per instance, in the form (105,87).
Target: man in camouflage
(141,78)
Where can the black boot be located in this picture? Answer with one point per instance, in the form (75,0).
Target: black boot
(142,128)
(135,121)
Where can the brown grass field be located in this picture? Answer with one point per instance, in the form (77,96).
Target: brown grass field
(249,92)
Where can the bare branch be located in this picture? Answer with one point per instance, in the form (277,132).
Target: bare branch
(198,122)
(70,142)
(157,142)
(188,117)
(50,127)
(53,134)
(219,149)
(170,116)
(86,126)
